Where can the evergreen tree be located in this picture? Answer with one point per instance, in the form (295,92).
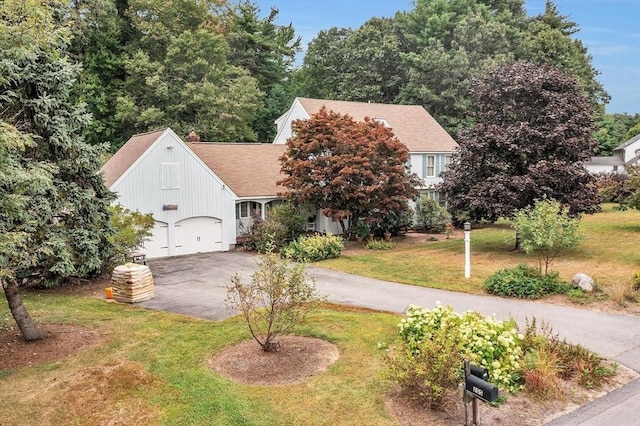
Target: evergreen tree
(54,221)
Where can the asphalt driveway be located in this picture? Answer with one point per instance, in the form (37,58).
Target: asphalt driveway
(196,286)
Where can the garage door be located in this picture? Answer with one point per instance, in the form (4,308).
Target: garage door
(158,244)
(198,235)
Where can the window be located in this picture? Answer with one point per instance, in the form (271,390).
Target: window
(170,176)
(245,209)
(431,166)
(447,162)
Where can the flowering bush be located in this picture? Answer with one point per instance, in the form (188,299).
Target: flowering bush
(313,248)
(485,341)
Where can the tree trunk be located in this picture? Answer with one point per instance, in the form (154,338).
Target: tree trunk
(25,323)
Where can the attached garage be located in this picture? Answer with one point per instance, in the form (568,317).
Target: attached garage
(158,244)
(198,235)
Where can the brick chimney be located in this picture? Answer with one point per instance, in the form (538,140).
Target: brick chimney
(193,137)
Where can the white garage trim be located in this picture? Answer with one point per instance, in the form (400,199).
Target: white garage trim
(198,235)
(158,243)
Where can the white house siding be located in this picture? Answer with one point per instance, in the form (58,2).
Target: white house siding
(283,123)
(199,192)
(419,166)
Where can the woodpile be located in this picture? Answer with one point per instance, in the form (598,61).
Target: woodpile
(132,283)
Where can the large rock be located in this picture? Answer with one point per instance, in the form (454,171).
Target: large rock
(583,281)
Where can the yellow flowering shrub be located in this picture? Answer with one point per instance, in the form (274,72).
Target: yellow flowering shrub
(484,341)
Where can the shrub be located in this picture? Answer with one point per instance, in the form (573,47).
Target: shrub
(131,230)
(546,229)
(636,281)
(428,369)
(291,219)
(484,341)
(277,298)
(541,374)
(572,362)
(379,245)
(284,223)
(523,282)
(313,248)
(430,217)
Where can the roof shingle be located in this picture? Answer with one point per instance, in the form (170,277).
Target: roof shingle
(411,124)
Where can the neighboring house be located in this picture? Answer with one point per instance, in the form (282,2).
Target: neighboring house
(203,195)
(430,146)
(624,155)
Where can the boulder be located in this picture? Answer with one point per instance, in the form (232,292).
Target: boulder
(583,281)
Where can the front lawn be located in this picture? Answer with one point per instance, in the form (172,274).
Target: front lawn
(610,254)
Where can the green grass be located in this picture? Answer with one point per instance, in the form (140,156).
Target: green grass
(610,253)
(173,351)
(166,378)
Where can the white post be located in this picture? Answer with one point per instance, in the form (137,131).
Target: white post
(467,250)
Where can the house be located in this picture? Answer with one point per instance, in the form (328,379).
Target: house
(203,195)
(195,208)
(430,146)
(624,155)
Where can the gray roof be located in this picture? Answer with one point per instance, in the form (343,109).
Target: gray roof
(623,145)
(607,161)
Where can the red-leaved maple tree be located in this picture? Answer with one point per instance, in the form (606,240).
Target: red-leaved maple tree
(350,169)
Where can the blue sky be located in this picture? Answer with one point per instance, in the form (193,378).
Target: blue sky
(610,29)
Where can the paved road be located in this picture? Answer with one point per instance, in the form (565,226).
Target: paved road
(196,286)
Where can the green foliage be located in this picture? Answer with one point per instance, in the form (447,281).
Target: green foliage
(636,281)
(429,369)
(380,245)
(546,228)
(565,360)
(291,218)
(284,223)
(430,217)
(313,248)
(484,341)
(523,282)
(130,230)
(614,129)
(65,225)
(278,298)
(630,197)
(362,229)
(430,55)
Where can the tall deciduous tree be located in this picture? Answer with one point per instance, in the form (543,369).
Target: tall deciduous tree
(349,169)
(53,202)
(179,75)
(533,131)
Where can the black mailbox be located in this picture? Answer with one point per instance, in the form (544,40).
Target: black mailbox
(479,372)
(481,388)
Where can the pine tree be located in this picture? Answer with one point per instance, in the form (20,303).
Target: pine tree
(53,201)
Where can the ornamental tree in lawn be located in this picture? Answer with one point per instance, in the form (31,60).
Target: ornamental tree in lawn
(54,221)
(533,131)
(349,169)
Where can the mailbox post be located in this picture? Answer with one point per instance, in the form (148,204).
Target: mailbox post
(476,387)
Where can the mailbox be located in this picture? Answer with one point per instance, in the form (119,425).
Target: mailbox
(480,388)
(479,372)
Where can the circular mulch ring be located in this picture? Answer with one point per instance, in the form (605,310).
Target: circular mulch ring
(299,358)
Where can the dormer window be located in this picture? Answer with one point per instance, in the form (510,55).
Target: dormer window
(381,121)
